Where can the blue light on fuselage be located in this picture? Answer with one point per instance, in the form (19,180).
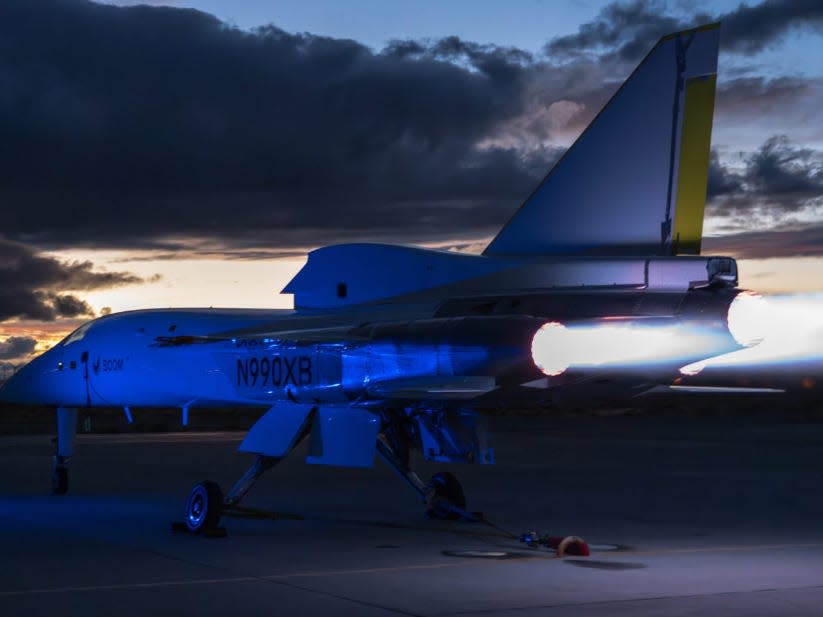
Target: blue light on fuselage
(114,360)
(129,359)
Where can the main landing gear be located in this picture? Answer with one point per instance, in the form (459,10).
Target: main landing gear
(206,504)
(442,496)
(445,497)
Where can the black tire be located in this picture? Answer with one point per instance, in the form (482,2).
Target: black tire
(59,481)
(204,506)
(447,488)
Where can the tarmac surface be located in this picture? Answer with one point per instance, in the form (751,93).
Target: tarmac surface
(685,517)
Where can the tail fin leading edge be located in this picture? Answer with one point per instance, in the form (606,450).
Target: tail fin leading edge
(634,182)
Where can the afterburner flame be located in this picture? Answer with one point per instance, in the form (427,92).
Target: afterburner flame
(789,328)
(549,335)
(749,318)
(556,348)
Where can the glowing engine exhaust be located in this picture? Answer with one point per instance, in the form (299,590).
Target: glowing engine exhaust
(748,318)
(705,325)
(778,330)
(556,347)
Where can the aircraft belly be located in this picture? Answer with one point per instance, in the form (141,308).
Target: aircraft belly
(344,437)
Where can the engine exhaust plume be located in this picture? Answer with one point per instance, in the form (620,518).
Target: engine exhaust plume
(557,347)
(789,327)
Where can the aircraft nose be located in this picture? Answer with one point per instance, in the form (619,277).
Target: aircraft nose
(26,386)
(14,388)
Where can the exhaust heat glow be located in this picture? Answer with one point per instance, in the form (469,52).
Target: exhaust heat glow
(556,348)
(790,329)
(551,364)
(748,318)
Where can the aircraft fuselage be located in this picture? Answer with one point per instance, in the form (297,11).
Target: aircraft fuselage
(172,358)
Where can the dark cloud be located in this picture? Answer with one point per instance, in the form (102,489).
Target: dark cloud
(777,188)
(749,29)
(163,128)
(629,29)
(778,180)
(17,347)
(790,242)
(722,181)
(35,286)
(781,169)
(150,2)
(145,126)
(758,97)
(499,62)
(70,306)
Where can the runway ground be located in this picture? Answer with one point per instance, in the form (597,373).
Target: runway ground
(686,517)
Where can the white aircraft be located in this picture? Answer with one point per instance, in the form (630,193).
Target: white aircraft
(595,288)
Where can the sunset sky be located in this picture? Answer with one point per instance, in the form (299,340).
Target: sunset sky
(190,153)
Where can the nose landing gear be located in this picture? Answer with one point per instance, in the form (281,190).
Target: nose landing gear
(59,475)
(63,449)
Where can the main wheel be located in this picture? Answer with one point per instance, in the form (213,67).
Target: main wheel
(204,506)
(59,480)
(447,490)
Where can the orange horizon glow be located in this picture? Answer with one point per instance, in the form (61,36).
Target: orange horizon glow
(256,284)
(46,333)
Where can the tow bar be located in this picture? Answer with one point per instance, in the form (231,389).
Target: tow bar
(562,545)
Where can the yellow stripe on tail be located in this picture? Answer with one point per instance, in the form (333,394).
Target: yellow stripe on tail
(693,175)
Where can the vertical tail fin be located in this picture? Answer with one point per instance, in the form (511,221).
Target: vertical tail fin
(634,182)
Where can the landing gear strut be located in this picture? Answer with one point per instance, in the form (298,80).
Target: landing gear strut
(59,475)
(443,495)
(63,449)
